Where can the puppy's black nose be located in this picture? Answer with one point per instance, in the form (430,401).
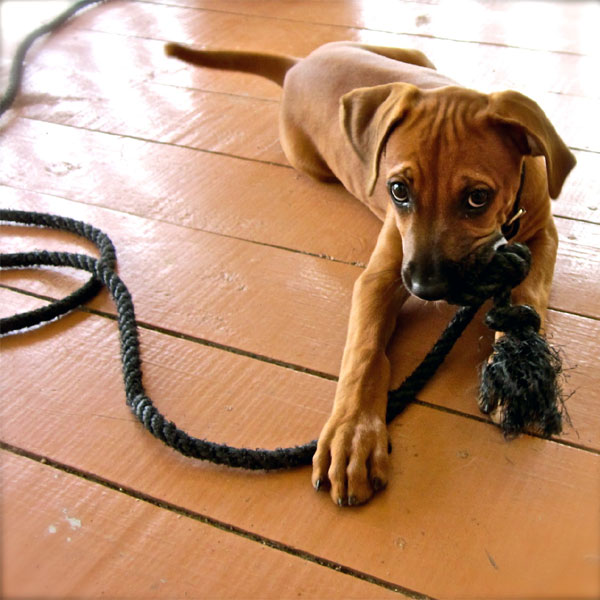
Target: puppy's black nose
(426,281)
(429,290)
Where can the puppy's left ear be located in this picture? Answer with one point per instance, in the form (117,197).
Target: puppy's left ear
(367,115)
(515,109)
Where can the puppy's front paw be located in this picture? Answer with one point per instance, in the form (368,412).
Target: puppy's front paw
(352,456)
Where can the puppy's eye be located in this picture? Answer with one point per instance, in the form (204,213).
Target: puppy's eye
(478,198)
(399,192)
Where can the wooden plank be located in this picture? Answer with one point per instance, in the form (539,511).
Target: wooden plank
(259,299)
(579,199)
(72,53)
(578,259)
(566,24)
(309,219)
(199,119)
(556,73)
(455,482)
(223,289)
(567,108)
(264,203)
(298,37)
(577,268)
(213,391)
(521,519)
(198,190)
(190,118)
(64,537)
(75,82)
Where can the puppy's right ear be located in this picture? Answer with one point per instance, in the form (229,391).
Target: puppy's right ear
(367,116)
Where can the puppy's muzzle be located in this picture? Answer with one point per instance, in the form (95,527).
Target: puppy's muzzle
(442,279)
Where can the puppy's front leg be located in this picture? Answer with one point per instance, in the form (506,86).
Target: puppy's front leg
(535,290)
(352,452)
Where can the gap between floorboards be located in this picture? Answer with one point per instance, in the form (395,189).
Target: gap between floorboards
(294,367)
(226,527)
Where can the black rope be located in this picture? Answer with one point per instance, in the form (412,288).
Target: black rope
(82,295)
(16,71)
(508,267)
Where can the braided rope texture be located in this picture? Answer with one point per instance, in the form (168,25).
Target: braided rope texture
(521,377)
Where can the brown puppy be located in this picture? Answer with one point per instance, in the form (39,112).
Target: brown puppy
(442,166)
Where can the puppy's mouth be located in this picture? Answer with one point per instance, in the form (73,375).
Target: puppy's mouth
(455,282)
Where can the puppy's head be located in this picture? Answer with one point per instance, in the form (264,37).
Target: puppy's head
(449,160)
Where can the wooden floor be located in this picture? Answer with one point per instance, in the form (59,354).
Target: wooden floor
(241,271)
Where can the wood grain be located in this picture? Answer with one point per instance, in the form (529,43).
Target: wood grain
(548,492)
(241,271)
(77,525)
(240,295)
(566,106)
(566,25)
(198,190)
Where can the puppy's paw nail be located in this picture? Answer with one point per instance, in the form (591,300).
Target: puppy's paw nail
(378,484)
(352,501)
(485,406)
(340,502)
(497,415)
(318,484)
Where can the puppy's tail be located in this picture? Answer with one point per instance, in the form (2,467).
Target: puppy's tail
(271,66)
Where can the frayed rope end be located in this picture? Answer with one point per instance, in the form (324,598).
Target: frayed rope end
(523,381)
